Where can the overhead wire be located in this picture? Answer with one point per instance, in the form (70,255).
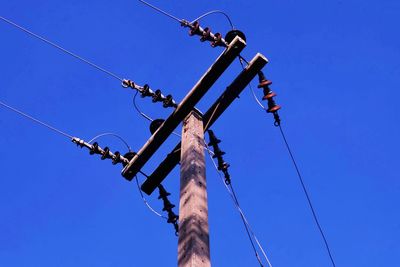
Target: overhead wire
(147,203)
(241,59)
(161,11)
(184,22)
(305,190)
(35,120)
(110,134)
(62,49)
(144,115)
(79,58)
(307,196)
(214,12)
(247,226)
(93,139)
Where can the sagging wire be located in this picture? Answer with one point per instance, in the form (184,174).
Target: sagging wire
(110,134)
(144,115)
(147,203)
(241,59)
(215,12)
(228,185)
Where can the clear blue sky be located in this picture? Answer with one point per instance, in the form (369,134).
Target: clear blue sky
(335,66)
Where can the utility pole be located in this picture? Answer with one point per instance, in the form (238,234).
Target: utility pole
(193,243)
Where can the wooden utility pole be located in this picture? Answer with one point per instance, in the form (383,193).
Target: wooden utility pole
(193,243)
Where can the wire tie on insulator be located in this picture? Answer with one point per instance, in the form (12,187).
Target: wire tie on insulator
(185,23)
(78,142)
(128,83)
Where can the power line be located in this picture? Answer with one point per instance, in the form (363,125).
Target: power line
(110,134)
(147,203)
(144,115)
(307,196)
(241,59)
(215,12)
(35,120)
(184,22)
(61,48)
(246,224)
(162,11)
